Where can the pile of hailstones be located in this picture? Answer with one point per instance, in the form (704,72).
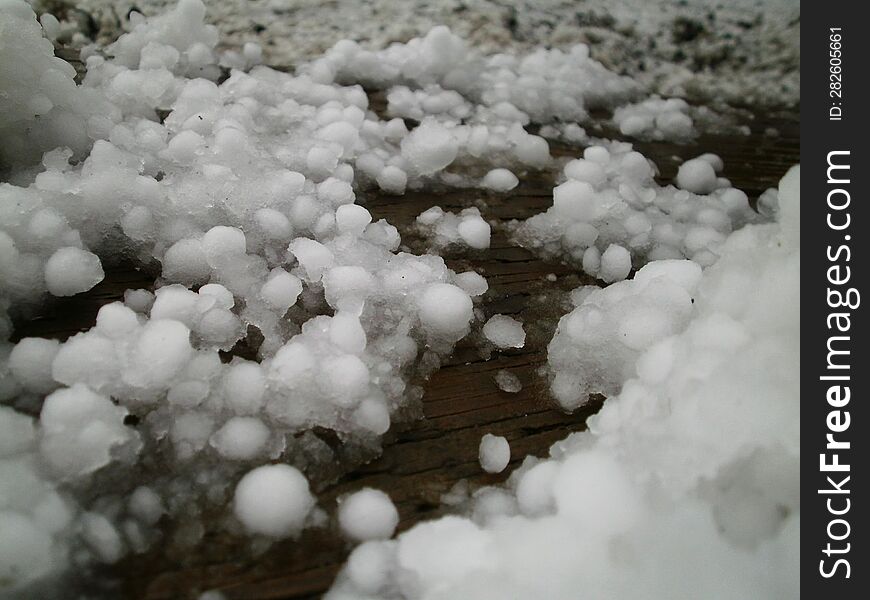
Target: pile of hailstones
(245,195)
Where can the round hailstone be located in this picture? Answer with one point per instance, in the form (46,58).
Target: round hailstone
(368,514)
(344,378)
(392,180)
(504,332)
(473,283)
(72,270)
(615,263)
(273,500)
(281,289)
(221,242)
(697,176)
(445,309)
(244,386)
(146,505)
(494,453)
(500,180)
(475,232)
(346,332)
(577,201)
(370,564)
(241,438)
(533,150)
(589,171)
(162,350)
(429,148)
(352,218)
(321,161)
(30,363)
(139,300)
(184,261)
(102,537)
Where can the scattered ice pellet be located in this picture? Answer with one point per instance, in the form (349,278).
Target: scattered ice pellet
(504,332)
(494,453)
(500,180)
(473,283)
(508,382)
(657,119)
(468,228)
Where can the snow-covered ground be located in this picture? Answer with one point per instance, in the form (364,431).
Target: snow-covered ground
(744,51)
(248,194)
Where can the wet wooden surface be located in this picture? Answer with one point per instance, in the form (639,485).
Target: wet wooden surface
(424,459)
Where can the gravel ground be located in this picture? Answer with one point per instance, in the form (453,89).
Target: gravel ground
(743,52)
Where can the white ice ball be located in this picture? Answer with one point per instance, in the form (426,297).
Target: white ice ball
(71,270)
(494,453)
(368,514)
(273,500)
(445,309)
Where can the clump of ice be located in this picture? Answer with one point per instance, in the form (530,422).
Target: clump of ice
(544,84)
(444,228)
(697,460)
(41,108)
(82,431)
(504,332)
(433,100)
(71,270)
(273,500)
(596,345)
(368,514)
(494,453)
(244,193)
(609,214)
(656,119)
(35,520)
(241,191)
